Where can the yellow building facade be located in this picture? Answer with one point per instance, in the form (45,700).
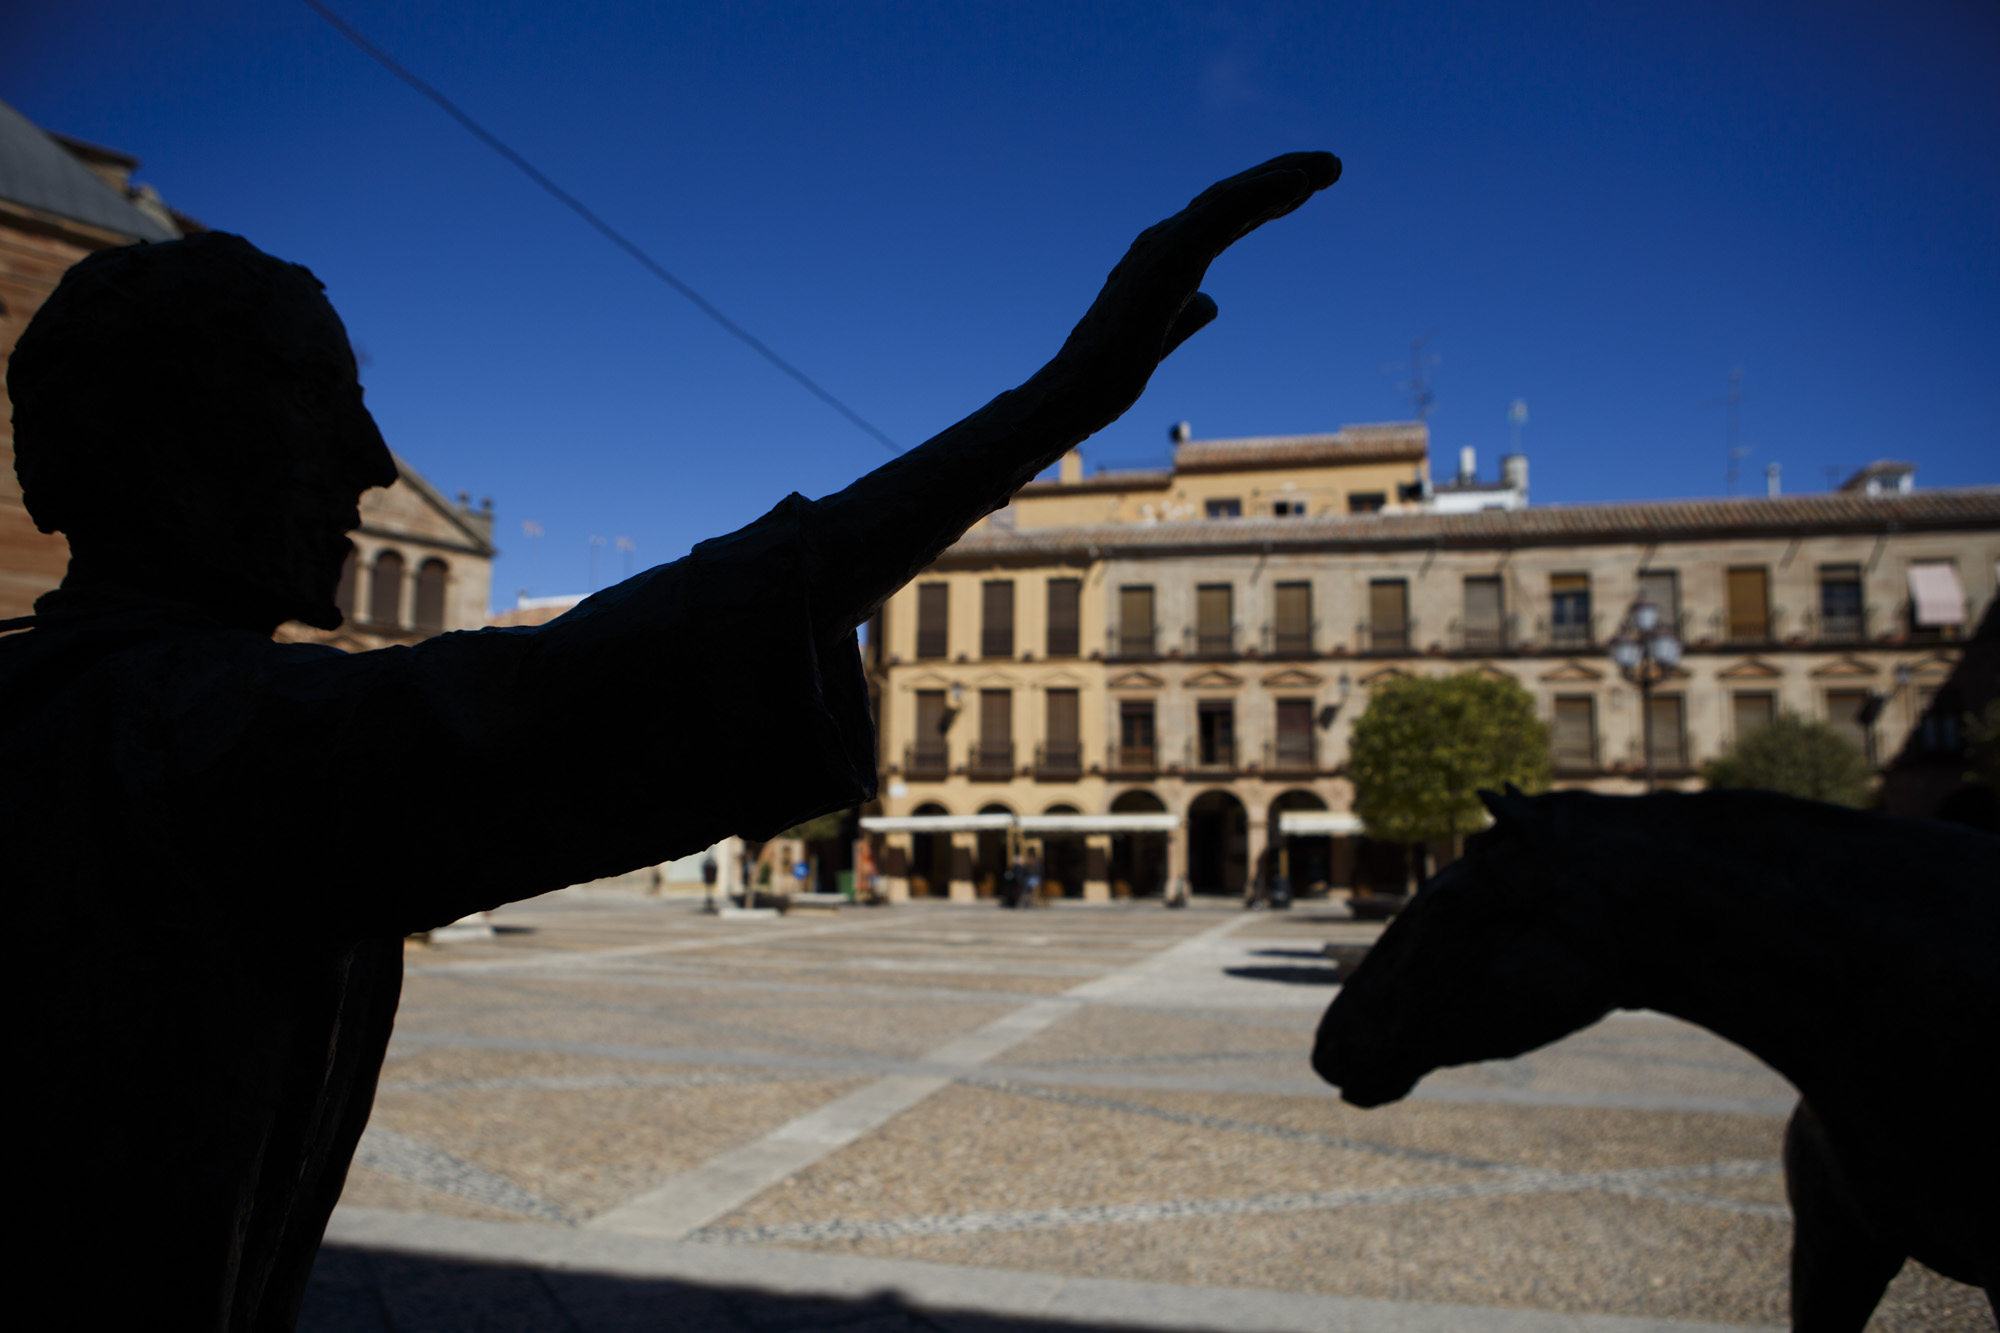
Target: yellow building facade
(1133,678)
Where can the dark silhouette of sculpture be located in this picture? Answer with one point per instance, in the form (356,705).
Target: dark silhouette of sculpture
(196,806)
(1857,954)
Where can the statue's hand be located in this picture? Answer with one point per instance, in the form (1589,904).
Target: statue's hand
(1152,301)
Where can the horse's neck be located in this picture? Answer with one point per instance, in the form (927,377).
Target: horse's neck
(1729,937)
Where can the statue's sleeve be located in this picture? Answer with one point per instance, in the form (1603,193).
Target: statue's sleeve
(694,701)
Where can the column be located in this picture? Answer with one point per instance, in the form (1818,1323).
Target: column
(1097,868)
(892,877)
(963,848)
(1177,862)
(1256,874)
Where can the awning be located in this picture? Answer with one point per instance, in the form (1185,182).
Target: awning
(1317,823)
(1935,594)
(1160,822)
(1146,823)
(935,823)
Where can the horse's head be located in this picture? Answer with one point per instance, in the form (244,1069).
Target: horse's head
(1493,958)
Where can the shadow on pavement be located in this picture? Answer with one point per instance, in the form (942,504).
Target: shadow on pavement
(370,1291)
(1296,976)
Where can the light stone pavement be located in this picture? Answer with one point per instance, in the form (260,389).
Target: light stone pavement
(624,1114)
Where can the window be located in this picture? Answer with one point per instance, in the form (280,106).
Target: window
(432,577)
(1840,618)
(995,755)
(1388,616)
(996,618)
(1569,610)
(1062,748)
(933,620)
(1215,721)
(1573,739)
(1135,621)
(1288,509)
(1223,508)
(1135,734)
(928,756)
(1215,630)
(1485,621)
(343,595)
(1844,711)
(1365,502)
(1662,587)
(1749,604)
(1295,734)
(1065,617)
(1292,630)
(385,590)
(1750,711)
(1669,734)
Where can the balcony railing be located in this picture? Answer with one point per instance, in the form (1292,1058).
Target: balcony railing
(1749,628)
(927,760)
(1386,638)
(1212,641)
(1291,754)
(1133,643)
(990,761)
(1572,636)
(1056,761)
(1289,639)
(1841,627)
(1488,637)
(1574,758)
(1214,756)
(1132,759)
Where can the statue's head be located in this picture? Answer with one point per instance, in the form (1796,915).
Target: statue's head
(189,416)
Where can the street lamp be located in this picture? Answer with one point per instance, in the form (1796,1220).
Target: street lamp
(1646,651)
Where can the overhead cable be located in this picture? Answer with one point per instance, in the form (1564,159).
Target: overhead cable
(610,233)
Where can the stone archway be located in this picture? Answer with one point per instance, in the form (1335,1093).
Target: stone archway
(1218,844)
(1306,861)
(993,850)
(930,858)
(1063,856)
(1138,860)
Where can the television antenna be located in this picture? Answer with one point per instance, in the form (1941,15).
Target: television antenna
(1732,399)
(1418,386)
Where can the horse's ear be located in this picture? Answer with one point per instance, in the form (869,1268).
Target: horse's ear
(1497,804)
(1515,792)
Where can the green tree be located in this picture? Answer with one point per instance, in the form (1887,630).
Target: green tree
(1420,754)
(1798,757)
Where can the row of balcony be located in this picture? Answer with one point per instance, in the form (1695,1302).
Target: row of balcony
(1505,636)
(988,761)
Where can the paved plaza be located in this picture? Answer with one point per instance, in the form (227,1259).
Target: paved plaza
(621,1113)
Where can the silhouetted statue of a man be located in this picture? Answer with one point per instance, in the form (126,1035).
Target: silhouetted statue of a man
(210,838)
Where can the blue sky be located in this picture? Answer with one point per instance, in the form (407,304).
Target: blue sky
(1601,209)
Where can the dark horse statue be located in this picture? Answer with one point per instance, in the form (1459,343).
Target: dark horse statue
(1856,954)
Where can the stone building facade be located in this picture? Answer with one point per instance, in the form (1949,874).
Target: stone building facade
(1144,696)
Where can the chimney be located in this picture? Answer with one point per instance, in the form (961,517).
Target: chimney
(1181,433)
(1514,472)
(1071,468)
(1771,480)
(1468,466)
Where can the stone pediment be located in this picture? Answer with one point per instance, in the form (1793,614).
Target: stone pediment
(1061,680)
(1386,673)
(1937,665)
(1573,671)
(1137,680)
(1212,680)
(995,680)
(1750,669)
(1845,667)
(1291,678)
(926,680)
(1490,672)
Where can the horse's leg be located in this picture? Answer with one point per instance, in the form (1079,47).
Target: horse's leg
(1839,1264)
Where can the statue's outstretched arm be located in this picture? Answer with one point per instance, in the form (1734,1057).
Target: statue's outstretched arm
(880,532)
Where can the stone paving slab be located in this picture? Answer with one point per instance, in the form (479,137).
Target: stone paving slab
(1016,1110)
